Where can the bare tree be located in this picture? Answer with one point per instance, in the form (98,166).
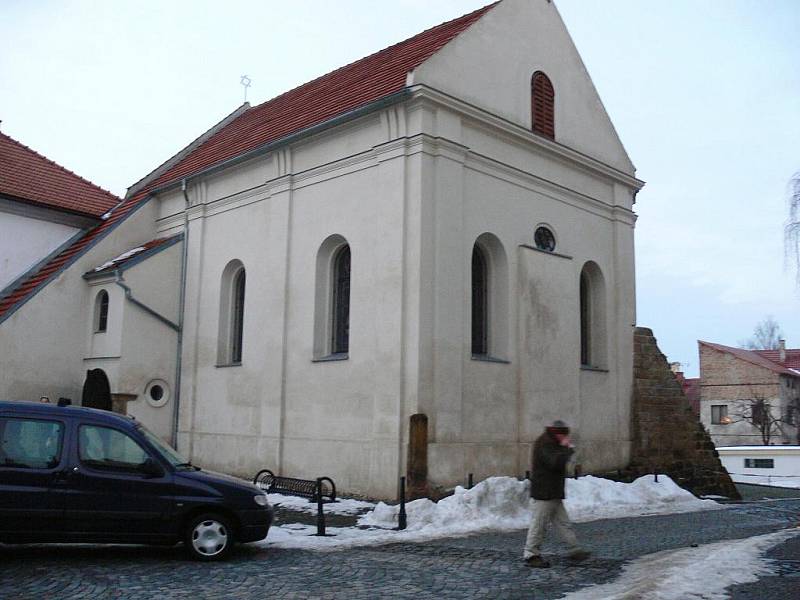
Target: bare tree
(766,336)
(792,229)
(758,412)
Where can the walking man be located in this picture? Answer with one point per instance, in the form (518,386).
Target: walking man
(550,455)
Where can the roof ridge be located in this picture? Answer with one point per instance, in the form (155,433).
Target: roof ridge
(63,168)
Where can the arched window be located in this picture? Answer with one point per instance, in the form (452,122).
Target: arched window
(489,298)
(332,300)
(237,316)
(101,312)
(340,311)
(592,317)
(542,106)
(586,329)
(480,282)
(231,314)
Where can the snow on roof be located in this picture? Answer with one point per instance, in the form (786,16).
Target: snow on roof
(126,258)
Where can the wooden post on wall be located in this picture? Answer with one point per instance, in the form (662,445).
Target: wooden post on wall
(418,457)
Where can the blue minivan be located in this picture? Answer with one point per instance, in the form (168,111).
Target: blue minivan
(72,474)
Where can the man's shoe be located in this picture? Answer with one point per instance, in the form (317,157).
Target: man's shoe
(537,562)
(579,555)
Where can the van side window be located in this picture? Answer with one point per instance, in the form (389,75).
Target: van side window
(30,443)
(109,449)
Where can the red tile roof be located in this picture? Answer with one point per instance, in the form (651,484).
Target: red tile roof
(335,94)
(792,357)
(757,357)
(27,175)
(40,278)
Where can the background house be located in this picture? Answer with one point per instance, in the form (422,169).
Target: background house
(444,228)
(734,380)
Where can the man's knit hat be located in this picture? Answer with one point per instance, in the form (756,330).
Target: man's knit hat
(558,426)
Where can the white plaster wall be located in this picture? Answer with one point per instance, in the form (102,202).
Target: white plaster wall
(25,241)
(410,189)
(491,64)
(42,345)
(149,345)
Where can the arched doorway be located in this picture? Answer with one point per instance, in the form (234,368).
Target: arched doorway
(96,390)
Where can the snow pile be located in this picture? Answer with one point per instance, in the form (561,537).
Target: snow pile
(703,572)
(590,498)
(345,506)
(498,504)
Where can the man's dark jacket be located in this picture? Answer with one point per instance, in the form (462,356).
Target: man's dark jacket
(549,467)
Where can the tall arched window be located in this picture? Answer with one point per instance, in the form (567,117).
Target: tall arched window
(489,299)
(231,314)
(480,321)
(592,317)
(586,329)
(101,312)
(340,304)
(542,105)
(237,316)
(332,300)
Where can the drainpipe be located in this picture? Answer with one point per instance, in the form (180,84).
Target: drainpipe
(129,296)
(181,310)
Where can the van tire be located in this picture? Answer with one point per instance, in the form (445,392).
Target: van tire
(209,537)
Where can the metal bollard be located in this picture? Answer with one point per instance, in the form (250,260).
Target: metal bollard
(656,477)
(401,517)
(320,512)
(577,471)
(528,475)
(469,481)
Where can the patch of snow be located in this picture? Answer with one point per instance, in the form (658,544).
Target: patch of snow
(701,573)
(344,506)
(496,504)
(120,258)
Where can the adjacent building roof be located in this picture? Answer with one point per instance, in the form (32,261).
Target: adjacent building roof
(313,104)
(792,357)
(134,255)
(768,359)
(27,176)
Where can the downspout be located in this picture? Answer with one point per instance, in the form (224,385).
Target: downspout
(129,296)
(181,310)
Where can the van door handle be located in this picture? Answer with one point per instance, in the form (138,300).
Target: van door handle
(66,474)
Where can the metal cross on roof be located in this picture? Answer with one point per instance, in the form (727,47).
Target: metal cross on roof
(245,81)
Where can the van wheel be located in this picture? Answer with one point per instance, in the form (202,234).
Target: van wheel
(209,537)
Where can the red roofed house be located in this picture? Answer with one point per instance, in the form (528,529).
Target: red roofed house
(444,227)
(731,379)
(43,207)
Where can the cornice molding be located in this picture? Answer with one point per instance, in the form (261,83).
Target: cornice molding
(422,93)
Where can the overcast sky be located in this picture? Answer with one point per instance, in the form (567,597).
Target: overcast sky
(705,96)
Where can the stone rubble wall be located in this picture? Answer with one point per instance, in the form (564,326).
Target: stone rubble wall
(667,436)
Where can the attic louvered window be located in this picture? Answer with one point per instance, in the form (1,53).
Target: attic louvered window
(542,106)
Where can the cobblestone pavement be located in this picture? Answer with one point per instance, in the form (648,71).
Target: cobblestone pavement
(480,566)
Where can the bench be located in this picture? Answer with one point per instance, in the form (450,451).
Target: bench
(275,484)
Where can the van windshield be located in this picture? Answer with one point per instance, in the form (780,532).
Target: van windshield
(170,454)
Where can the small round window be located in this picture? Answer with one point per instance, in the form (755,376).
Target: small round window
(157,393)
(544,239)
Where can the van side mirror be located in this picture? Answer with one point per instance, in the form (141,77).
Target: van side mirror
(151,468)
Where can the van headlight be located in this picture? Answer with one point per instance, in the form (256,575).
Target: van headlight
(261,499)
